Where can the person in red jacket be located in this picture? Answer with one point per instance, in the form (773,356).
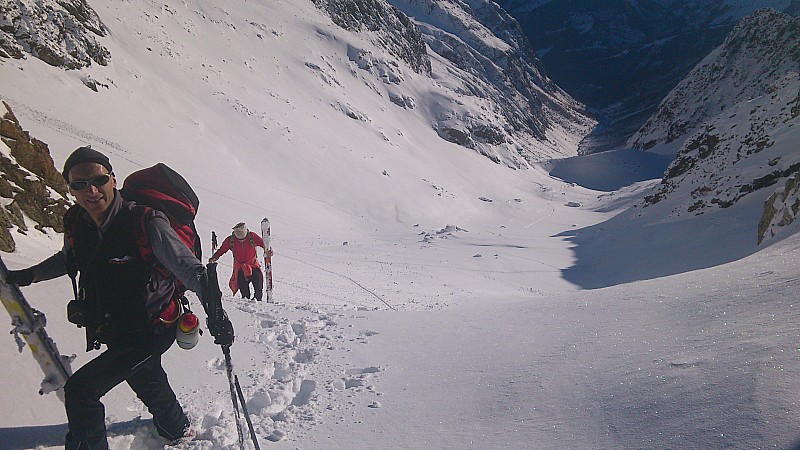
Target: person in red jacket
(246,268)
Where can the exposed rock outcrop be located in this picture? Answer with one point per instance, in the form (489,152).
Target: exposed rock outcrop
(780,209)
(30,185)
(62,33)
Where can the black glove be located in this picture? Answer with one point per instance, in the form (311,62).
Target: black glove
(22,277)
(221,328)
(217,320)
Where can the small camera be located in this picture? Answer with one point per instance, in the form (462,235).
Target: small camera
(77,312)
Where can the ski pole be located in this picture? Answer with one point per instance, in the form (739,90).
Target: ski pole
(236,391)
(246,414)
(231,377)
(213,306)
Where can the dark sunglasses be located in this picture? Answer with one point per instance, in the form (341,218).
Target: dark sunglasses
(97,181)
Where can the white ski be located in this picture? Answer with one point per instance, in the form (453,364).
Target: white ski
(265,235)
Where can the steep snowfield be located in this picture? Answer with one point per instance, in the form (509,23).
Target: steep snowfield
(427,297)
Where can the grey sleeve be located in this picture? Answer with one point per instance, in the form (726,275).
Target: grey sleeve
(52,267)
(173,254)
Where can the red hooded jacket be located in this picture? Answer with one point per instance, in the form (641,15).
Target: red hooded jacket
(245,256)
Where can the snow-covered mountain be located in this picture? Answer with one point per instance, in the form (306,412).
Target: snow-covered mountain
(733,122)
(484,92)
(622,58)
(426,296)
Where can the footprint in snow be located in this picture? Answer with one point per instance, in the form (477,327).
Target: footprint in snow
(302,397)
(268,323)
(276,436)
(353,383)
(365,370)
(299,329)
(305,356)
(358,377)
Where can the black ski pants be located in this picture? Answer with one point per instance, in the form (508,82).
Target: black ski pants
(141,368)
(244,283)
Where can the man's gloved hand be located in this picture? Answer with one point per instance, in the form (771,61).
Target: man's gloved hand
(22,277)
(222,329)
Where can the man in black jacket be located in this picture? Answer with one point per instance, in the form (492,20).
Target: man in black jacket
(117,303)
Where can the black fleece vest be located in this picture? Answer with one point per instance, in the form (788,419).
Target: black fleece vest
(113,277)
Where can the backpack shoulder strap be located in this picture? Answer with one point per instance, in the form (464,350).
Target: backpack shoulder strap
(141,214)
(70,222)
(70,219)
(249,238)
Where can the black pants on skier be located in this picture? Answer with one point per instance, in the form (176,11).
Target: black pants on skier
(244,283)
(141,368)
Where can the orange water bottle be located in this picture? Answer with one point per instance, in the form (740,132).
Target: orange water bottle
(188,333)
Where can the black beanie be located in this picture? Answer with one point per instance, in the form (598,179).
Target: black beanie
(85,155)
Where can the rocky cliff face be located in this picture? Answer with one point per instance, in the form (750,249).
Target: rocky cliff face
(390,28)
(480,38)
(31,188)
(734,122)
(62,33)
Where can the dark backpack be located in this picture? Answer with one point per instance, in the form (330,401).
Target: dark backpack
(159,187)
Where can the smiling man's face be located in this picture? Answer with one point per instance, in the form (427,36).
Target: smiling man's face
(94,199)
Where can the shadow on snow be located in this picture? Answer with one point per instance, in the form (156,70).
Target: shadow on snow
(19,438)
(23,438)
(640,243)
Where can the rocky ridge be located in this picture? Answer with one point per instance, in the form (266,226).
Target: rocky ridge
(780,209)
(485,42)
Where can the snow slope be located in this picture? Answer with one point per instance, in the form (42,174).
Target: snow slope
(427,297)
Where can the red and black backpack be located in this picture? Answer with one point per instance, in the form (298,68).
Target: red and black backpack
(159,187)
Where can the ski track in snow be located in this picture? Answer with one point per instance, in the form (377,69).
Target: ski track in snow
(27,114)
